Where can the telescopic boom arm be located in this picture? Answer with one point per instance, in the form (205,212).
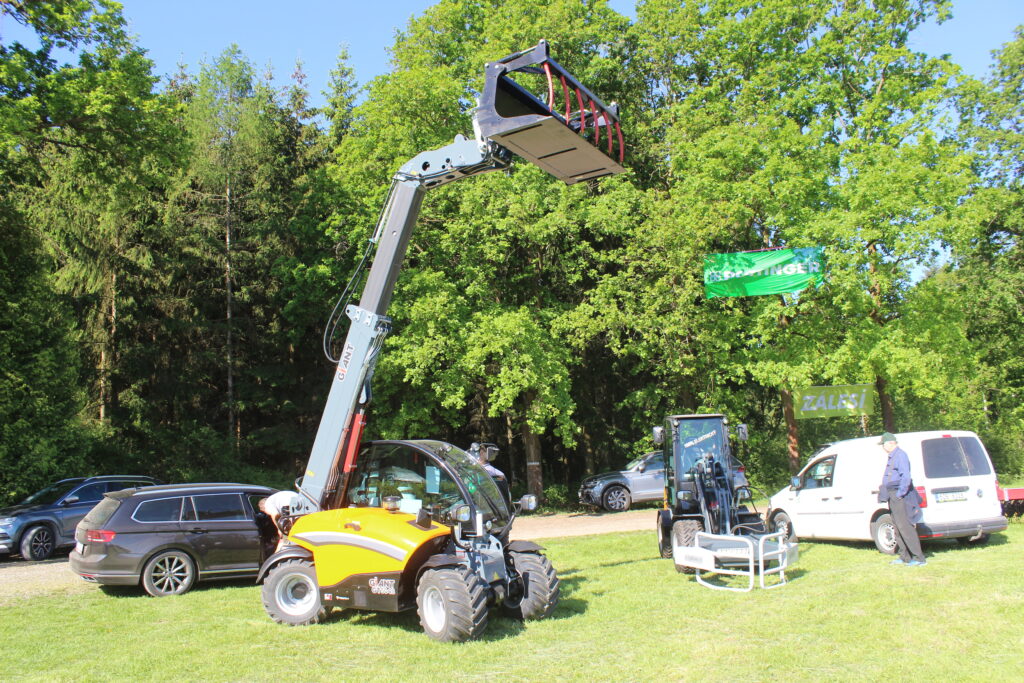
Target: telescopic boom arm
(508,119)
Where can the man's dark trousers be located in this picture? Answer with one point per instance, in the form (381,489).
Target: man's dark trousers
(907,542)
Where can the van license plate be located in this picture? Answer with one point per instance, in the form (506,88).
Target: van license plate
(79,548)
(949,496)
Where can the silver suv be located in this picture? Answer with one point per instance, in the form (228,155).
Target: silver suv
(46,520)
(642,481)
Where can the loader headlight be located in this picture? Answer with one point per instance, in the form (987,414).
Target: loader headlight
(391,503)
(685,496)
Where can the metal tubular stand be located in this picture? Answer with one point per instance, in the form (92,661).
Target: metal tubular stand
(726,554)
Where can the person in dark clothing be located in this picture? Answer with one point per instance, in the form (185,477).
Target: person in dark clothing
(897,488)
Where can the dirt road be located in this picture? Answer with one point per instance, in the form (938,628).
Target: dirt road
(20,580)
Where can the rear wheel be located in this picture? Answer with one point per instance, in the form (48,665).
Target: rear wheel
(684,535)
(971,540)
(883,533)
(615,499)
(169,573)
(538,593)
(291,594)
(452,604)
(782,522)
(37,543)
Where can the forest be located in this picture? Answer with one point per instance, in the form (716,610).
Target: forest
(172,248)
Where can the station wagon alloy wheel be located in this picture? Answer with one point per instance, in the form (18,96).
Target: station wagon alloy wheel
(170,573)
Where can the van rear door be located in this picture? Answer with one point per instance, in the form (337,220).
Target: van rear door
(959,480)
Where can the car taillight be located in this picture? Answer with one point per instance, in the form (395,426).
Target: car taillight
(99,536)
(924,498)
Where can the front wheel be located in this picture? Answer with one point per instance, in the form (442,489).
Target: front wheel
(37,543)
(452,604)
(291,594)
(169,573)
(615,499)
(684,535)
(883,533)
(537,595)
(664,541)
(782,522)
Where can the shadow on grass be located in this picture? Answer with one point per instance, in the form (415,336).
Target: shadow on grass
(137,591)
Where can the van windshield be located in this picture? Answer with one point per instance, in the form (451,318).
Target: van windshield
(961,456)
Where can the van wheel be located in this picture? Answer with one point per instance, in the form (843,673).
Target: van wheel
(782,522)
(883,533)
(970,540)
(169,573)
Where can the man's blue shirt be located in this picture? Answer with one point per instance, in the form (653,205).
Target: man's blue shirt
(897,473)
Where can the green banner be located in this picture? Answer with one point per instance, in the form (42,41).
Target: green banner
(837,401)
(755,273)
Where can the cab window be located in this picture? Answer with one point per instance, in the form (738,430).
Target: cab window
(819,475)
(91,492)
(406,473)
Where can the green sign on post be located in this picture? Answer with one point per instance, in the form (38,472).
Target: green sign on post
(837,401)
(756,273)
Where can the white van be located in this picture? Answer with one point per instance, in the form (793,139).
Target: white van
(835,496)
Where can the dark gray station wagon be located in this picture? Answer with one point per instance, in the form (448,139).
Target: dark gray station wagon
(168,537)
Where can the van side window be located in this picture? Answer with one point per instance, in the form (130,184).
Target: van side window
(819,475)
(962,456)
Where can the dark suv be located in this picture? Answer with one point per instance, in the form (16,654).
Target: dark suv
(169,537)
(46,520)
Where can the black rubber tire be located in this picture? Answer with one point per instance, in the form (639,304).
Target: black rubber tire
(291,594)
(169,573)
(782,522)
(452,604)
(966,540)
(615,499)
(883,533)
(541,584)
(684,533)
(37,543)
(664,540)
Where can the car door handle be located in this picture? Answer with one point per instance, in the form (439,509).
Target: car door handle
(197,530)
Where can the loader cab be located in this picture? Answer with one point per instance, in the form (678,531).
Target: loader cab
(431,476)
(693,444)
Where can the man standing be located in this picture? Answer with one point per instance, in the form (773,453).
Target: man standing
(277,505)
(904,503)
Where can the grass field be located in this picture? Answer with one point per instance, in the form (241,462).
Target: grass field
(625,614)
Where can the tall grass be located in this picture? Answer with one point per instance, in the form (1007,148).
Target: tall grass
(625,614)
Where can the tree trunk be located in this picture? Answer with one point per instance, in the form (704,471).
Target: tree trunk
(534,475)
(885,401)
(792,435)
(232,426)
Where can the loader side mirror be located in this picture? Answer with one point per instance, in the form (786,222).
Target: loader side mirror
(794,483)
(658,434)
(741,432)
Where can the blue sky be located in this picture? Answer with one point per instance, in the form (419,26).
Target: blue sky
(277,33)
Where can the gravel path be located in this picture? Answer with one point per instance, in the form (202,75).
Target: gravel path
(20,580)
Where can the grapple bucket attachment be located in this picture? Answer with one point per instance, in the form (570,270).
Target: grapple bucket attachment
(572,134)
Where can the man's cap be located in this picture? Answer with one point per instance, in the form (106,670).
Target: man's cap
(886,436)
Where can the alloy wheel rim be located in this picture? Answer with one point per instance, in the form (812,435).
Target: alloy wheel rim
(170,574)
(42,542)
(617,499)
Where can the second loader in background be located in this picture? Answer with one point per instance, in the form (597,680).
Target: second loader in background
(706,525)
